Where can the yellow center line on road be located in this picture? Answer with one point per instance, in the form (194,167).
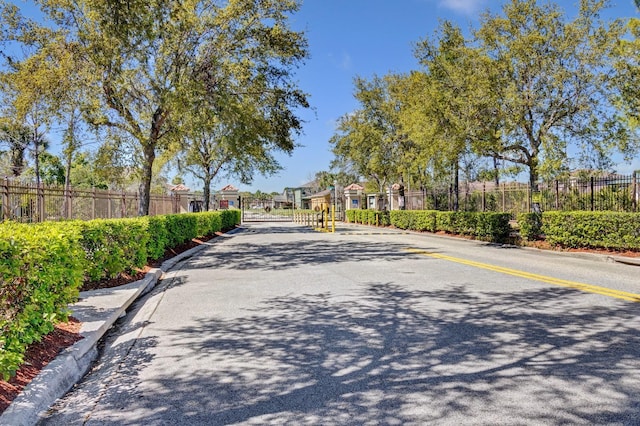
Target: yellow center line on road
(632,297)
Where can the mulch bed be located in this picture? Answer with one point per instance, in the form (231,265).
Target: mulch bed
(37,357)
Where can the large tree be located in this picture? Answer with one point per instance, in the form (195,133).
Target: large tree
(552,84)
(369,141)
(627,80)
(445,110)
(153,61)
(234,141)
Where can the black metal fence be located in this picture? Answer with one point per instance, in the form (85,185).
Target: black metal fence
(607,193)
(28,202)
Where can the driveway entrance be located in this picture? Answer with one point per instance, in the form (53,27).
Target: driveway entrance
(267,209)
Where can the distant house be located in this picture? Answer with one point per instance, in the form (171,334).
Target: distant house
(282,201)
(301,196)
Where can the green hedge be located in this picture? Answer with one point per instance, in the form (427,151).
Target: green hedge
(43,265)
(487,226)
(608,230)
(41,271)
(369,217)
(530,225)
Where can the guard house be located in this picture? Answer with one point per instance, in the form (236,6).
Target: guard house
(353,196)
(180,194)
(321,200)
(228,198)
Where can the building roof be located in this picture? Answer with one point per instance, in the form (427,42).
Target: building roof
(322,193)
(229,188)
(354,187)
(180,188)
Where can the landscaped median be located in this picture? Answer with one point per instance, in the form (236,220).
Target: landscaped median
(42,266)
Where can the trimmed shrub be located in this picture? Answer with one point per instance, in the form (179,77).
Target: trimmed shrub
(158,236)
(486,226)
(40,274)
(402,219)
(43,266)
(230,218)
(112,246)
(530,226)
(608,230)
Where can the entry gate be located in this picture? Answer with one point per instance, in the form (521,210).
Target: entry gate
(266,210)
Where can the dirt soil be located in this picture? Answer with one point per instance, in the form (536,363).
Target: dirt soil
(41,353)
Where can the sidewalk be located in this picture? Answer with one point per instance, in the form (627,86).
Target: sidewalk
(98,310)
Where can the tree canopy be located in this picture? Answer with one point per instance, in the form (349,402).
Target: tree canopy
(145,66)
(528,88)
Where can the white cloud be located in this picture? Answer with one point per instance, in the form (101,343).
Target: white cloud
(343,61)
(466,7)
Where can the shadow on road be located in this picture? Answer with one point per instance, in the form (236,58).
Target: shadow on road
(398,356)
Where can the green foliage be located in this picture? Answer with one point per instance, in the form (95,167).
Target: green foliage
(530,226)
(369,217)
(608,230)
(485,226)
(230,218)
(43,266)
(112,246)
(181,228)
(158,236)
(367,140)
(40,273)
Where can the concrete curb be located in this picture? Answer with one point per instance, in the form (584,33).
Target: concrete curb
(60,375)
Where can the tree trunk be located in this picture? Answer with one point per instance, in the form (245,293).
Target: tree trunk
(533,174)
(533,185)
(66,205)
(456,185)
(147,170)
(207,192)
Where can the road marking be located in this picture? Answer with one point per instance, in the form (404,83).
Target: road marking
(618,294)
(372,233)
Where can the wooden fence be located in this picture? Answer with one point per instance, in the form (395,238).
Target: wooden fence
(28,202)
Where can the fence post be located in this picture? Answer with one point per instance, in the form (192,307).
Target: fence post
(634,199)
(109,204)
(6,208)
(504,201)
(93,204)
(40,202)
(592,198)
(484,196)
(557,195)
(123,205)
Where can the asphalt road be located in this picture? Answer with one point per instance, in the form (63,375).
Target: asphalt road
(282,325)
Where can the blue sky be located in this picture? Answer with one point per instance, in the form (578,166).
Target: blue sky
(349,38)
